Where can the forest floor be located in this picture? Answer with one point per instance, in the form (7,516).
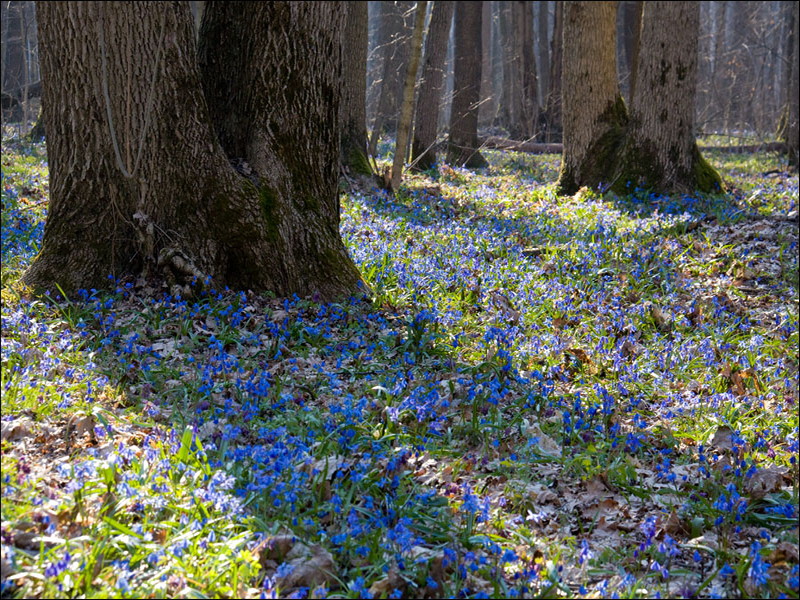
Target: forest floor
(588,396)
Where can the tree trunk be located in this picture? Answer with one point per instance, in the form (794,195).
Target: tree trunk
(661,153)
(631,29)
(138,183)
(274,102)
(553,110)
(396,46)
(523,21)
(404,124)
(462,148)
(791,129)
(486,109)
(354,109)
(593,111)
(543,37)
(423,147)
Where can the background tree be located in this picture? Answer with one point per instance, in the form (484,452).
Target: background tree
(423,147)
(790,132)
(394,39)
(404,124)
(519,105)
(629,29)
(354,108)
(462,148)
(593,112)
(139,184)
(553,104)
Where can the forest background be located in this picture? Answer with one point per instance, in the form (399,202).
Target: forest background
(568,378)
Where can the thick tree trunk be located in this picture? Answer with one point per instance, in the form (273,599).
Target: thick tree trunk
(395,38)
(138,183)
(404,124)
(462,148)
(661,153)
(594,114)
(274,102)
(423,147)
(553,105)
(354,109)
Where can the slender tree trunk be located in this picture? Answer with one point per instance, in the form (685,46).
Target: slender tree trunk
(486,109)
(275,104)
(511,94)
(791,129)
(523,22)
(423,148)
(631,30)
(396,48)
(553,110)
(404,124)
(593,111)
(543,38)
(354,109)
(661,153)
(139,184)
(462,148)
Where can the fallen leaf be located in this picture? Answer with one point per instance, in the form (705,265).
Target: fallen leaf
(309,567)
(16,430)
(544,442)
(764,481)
(722,438)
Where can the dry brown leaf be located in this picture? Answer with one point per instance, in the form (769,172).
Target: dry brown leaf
(544,443)
(722,438)
(310,567)
(385,586)
(16,430)
(764,481)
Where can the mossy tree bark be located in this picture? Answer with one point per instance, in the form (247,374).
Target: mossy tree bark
(139,184)
(594,116)
(423,146)
(462,148)
(271,73)
(661,152)
(353,108)
(653,147)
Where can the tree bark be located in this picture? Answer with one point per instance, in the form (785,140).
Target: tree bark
(423,147)
(631,30)
(486,108)
(790,131)
(395,38)
(661,153)
(543,37)
(594,114)
(462,148)
(404,124)
(553,105)
(354,109)
(274,102)
(139,185)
